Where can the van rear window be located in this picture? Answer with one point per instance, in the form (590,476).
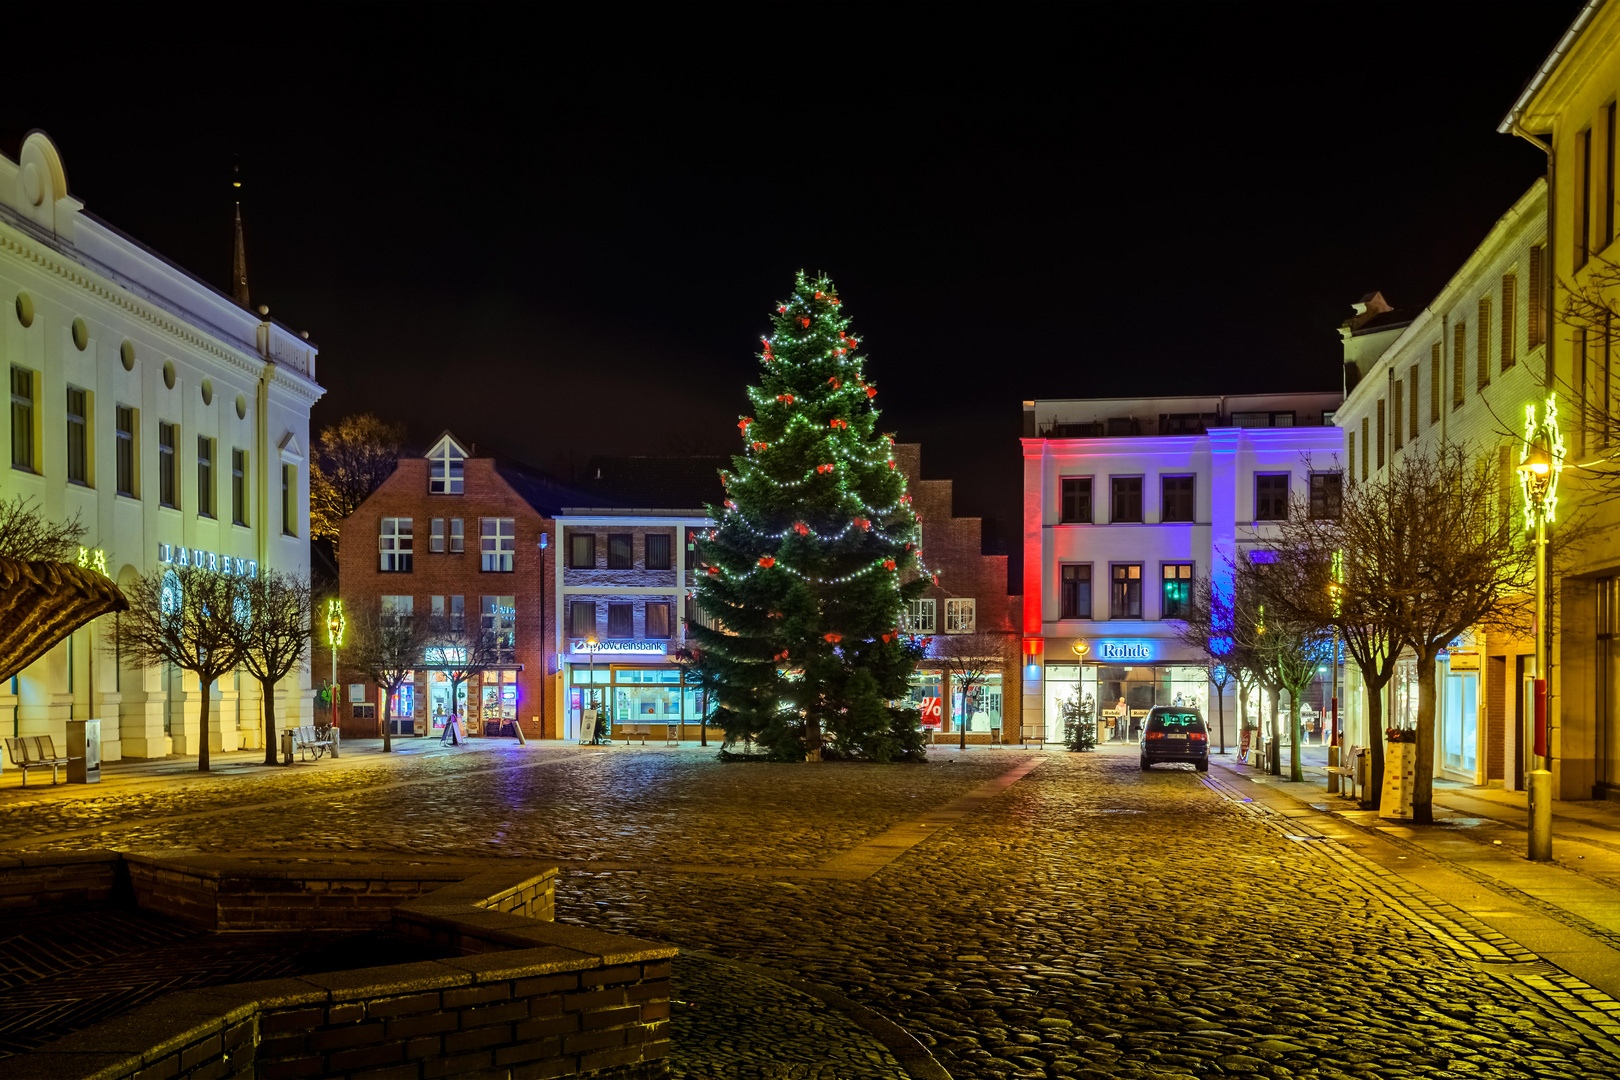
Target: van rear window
(1175,721)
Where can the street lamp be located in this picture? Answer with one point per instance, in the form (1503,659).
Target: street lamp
(596,728)
(1541,457)
(335,625)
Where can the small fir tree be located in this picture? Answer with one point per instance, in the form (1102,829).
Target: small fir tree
(813,557)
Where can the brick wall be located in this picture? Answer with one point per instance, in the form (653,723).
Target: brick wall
(37,883)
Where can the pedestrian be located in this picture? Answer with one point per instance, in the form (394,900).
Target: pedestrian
(1121,717)
(1244,739)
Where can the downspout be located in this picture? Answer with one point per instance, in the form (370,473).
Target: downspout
(261,450)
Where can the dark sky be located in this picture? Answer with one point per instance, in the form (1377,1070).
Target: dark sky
(562,234)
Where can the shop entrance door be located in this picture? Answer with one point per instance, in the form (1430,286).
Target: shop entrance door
(581,698)
(1460,722)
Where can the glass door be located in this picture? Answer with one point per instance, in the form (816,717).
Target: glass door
(1459,728)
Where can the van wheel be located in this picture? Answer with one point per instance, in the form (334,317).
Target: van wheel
(1145,765)
(1203,766)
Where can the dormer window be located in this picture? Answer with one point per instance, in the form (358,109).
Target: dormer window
(445,467)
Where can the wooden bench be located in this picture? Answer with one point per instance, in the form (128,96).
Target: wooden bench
(35,752)
(1035,734)
(1352,771)
(307,738)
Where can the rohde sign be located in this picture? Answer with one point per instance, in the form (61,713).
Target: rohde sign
(627,647)
(1124,650)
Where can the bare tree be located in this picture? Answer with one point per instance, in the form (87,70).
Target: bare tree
(387,648)
(26,535)
(1289,644)
(463,648)
(351,459)
(190,618)
(1206,628)
(970,660)
(275,639)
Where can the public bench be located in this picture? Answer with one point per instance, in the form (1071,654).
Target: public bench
(1351,771)
(308,739)
(1035,733)
(637,731)
(35,752)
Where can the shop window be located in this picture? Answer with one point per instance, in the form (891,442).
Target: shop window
(1125,599)
(658,552)
(124,452)
(582,618)
(1176,594)
(1076,507)
(1177,496)
(445,469)
(658,620)
(436,536)
(500,623)
(1077,591)
(919,616)
(1327,495)
(1270,496)
(394,543)
(1127,498)
(959,616)
(498,539)
(621,551)
(582,551)
(239,487)
(22,417)
(205,476)
(78,436)
(167,495)
(621,620)
(396,610)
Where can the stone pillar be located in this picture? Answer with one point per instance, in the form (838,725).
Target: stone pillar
(141,709)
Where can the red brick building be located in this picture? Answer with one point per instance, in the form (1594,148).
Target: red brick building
(453,534)
(970,599)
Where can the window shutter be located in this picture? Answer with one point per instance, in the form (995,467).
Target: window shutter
(1381,433)
(1482,345)
(1412,383)
(1366,451)
(1510,309)
(1434,383)
(1459,357)
(1395,419)
(1533,313)
(1352,438)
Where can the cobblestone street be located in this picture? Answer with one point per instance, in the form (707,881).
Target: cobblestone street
(1082,919)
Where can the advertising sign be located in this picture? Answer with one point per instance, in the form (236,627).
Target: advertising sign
(933,712)
(652,650)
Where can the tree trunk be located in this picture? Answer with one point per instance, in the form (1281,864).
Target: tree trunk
(1423,783)
(388,704)
(267,694)
(1375,733)
(963,726)
(812,737)
(1296,767)
(1220,711)
(1273,757)
(202,743)
(1243,712)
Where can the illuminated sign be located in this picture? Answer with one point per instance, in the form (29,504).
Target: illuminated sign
(212,561)
(93,559)
(628,647)
(1125,650)
(446,655)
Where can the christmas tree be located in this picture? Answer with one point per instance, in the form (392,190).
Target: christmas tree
(813,557)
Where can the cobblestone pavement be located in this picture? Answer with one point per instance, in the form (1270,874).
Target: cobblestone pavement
(1091,921)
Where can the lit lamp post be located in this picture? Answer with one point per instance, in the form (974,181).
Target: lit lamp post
(1541,457)
(335,624)
(1335,589)
(596,725)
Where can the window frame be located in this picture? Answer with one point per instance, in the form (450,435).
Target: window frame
(1191,496)
(436,532)
(953,614)
(124,449)
(1086,611)
(458,536)
(1120,590)
(448,471)
(1287,479)
(669,619)
(401,554)
(1165,580)
(78,435)
(498,549)
(239,486)
(629,557)
(664,540)
(576,541)
(1325,475)
(500,625)
(575,609)
(289,499)
(626,612)
(1083,491)
(913,615)
(1114,493)
(205,476)
(168,465)
(23,416)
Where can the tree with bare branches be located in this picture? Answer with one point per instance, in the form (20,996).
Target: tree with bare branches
(27,536)
(970,659)
(463,648)
(351,459)
(387,648)
(1287,644)
(190,618)
(275,639)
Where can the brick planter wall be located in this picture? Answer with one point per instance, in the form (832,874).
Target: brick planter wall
(79,879)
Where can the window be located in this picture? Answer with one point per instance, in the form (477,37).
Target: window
(1076,598)
(239,492)
(658,552)
(396,610)
(1125,598)
(1510,311)
(1176,589)
(166,477)
(658,619)
(1397,413)
(919,616)
(436,535)
(1583,199)
(452,616)
(1327,495)
(1364,444)
(78,436)
(394,542)
(498,540)
(1127,492)
(1352,441)
(582,551)
(124,429)
(1434,383)
(959,616)
(621,551)
(1177,492)
(363,710)
(582,618)
(1412,388)
(205,476)
(1381,440)
(457,540)
(621,620)
(1482,344)
(289,500)
(1459,358)
(1076,507)
(22,418)
(1608,177)
(1533,313)
(500,623)
(1270,496)
(445,469)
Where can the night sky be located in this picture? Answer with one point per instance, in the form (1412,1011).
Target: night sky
(561,234)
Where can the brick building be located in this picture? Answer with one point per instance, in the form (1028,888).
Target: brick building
(452,534)
(970,599)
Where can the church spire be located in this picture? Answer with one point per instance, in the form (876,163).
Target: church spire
(239,284)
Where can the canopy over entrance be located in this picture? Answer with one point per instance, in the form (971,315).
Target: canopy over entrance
(43,602)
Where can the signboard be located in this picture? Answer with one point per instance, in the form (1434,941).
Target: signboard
(933,712)
(650,650)
(208,560)
(1124,650)
(1464,661)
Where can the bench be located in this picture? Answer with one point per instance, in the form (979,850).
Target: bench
(307,738)
(1352,770)
(1035,734)
(35,752)
(637,731)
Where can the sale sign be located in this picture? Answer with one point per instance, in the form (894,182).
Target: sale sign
(933,712)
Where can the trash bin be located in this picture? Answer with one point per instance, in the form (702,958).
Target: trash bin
(286,746)
(84,751)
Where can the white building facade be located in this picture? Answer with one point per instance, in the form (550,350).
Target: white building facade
(169,419)
(1127,502)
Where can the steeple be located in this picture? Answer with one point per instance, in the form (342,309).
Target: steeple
(239,285)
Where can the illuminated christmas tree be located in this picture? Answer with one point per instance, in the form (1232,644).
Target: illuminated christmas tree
(813,557)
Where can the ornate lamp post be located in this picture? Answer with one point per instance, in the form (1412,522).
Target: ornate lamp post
(335,625)
(1335,590)
(1541,457)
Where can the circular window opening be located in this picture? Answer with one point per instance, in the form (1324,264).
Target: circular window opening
(25,309)
(241,406)
(168,374)
(81,335)
(208,391)
(126,354)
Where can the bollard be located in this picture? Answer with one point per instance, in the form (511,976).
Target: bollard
(1540,815)
(1333,777)
(337,737)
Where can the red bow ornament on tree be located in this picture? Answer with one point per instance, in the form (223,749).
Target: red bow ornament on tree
(806,323)
(837,383)
(863,524)
(785,399)
(888,564)
(714,570)
(781,309)
(871,391)
(824,468)
(801,528)
(783,655)
(767,562)
(891,463)
(760,445)
(887,638)
(818,296)
(839,424)
(742,425)
(833,638)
